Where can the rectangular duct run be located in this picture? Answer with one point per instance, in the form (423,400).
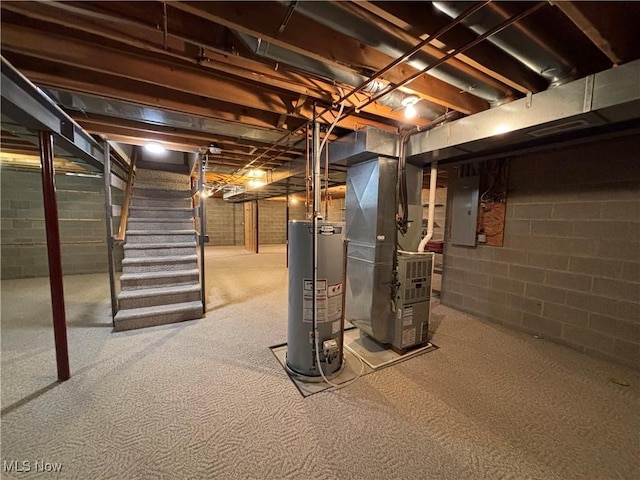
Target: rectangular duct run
(606,98)
(371,230)
(370,218)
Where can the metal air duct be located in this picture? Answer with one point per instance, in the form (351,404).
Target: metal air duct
(518,42)
(393,100)
(333,16)
(608,97)
(111,107)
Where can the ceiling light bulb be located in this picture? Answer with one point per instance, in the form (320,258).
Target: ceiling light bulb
(255,173)
(154,147)
(255,183)
(410,111)
(214,149)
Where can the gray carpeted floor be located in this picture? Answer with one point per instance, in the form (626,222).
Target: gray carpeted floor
(207,399)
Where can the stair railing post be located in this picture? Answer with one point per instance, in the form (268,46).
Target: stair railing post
(108,204)
(124,214)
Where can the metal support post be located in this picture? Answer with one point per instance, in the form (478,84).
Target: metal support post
(54,255)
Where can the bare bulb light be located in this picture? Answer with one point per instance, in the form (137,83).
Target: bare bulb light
(255,183)
(410,111)
(409,104)
(154,147)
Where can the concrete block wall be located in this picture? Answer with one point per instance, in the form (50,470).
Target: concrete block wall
(82,224)
(569,270)
(297,211)
(225,222)
(272,218)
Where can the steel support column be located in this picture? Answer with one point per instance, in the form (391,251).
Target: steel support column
(54,255)
(257,228)
(286,227)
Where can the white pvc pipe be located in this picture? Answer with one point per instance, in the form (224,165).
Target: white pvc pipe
(432,206)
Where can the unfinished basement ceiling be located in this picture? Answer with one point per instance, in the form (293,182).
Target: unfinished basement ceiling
(245,75)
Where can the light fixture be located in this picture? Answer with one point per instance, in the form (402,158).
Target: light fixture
(293,201)
(255,183)
(214,149)
(154,147)
(409,104)
(206,192)
(410,111)
(256,173)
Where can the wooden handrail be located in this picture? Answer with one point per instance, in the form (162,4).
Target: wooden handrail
(124,214)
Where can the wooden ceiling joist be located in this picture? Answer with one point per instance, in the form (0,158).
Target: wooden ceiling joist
(321,43)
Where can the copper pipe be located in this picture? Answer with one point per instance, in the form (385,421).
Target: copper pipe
(326,182)
(416,48)
(455,52)
(413,50)
(54,255)
(307,198)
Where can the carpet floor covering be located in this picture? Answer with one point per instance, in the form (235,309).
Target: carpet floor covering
(206,399)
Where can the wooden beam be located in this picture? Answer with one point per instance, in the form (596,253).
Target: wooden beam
(47,46)
(419,19)
(127,66)
(594,22)
(431,50)
(261,19)
(78,80)
(228,64)
(139,133)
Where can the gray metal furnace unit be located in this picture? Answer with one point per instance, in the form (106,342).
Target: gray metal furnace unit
(393,310)
(413,300)
(301,354)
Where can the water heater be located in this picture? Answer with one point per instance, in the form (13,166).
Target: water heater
(301,343)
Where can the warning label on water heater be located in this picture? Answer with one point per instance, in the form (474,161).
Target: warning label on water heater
(328,301)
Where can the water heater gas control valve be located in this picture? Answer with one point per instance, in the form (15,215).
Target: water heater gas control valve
(330,350)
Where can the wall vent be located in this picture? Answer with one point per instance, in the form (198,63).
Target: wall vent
(563,127)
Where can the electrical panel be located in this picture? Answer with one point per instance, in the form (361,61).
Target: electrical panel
(464,211)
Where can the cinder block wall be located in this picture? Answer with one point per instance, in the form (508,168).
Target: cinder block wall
(225,222)
(272,217)
(297,211)
(82,225)
(569,270)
